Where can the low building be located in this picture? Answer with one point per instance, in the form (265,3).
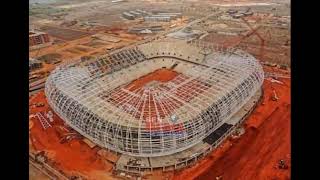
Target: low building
(232,11)
(237,16)
(135,13)
(142,12)
(143,30)
(34,64)
(249,13)
(157,18)
(116,1)
(128,16)
(175,15)
(38,38)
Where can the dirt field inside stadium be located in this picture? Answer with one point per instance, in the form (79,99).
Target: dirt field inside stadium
(157,104)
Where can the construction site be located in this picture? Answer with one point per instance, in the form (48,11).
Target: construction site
(159,90)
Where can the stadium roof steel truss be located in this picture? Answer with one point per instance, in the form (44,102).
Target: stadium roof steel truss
(96,98)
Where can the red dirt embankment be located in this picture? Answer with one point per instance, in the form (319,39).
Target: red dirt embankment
(256,154)
(72,156)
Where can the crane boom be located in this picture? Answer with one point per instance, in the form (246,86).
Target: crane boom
(259,36)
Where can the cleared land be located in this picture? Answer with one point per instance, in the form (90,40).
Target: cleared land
(72,157)
(63,33)
(256,154)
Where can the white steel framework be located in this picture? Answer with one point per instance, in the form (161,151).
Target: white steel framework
(95,97)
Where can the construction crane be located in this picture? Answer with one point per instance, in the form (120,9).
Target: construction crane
(258,35)
(44,123)
(253,31)
(236,41)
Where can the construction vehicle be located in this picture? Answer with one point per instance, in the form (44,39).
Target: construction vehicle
(49,115)
(40,104)
(69,136)
(40,157)
(57,61)
(273,79)
(61,131)
(274,96)
(30,124)
(32,116)
(282,164)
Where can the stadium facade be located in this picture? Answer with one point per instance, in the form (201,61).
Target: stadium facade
(155,99)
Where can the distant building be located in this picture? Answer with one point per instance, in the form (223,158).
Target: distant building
(34,64)
(232,11)
(116,1)
(175,15)
(142,12)
(128,16)
(38,38)
(157,18)
(135,13)
(163,16)
(249,13)
(237,16)
(145,30)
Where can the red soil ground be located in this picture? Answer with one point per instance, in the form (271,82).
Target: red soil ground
(72,156)
(255,155)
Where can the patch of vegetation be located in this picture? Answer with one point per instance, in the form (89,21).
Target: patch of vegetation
(50,58)
(42,9)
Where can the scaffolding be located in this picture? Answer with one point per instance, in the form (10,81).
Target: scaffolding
(96,98)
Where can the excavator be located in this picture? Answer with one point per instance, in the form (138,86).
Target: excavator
(65,135)
(282,164)
(70,136)
(274,96)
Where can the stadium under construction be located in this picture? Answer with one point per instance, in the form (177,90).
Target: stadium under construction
(157,104)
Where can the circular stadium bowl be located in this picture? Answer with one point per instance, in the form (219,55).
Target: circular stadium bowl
(154,99)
